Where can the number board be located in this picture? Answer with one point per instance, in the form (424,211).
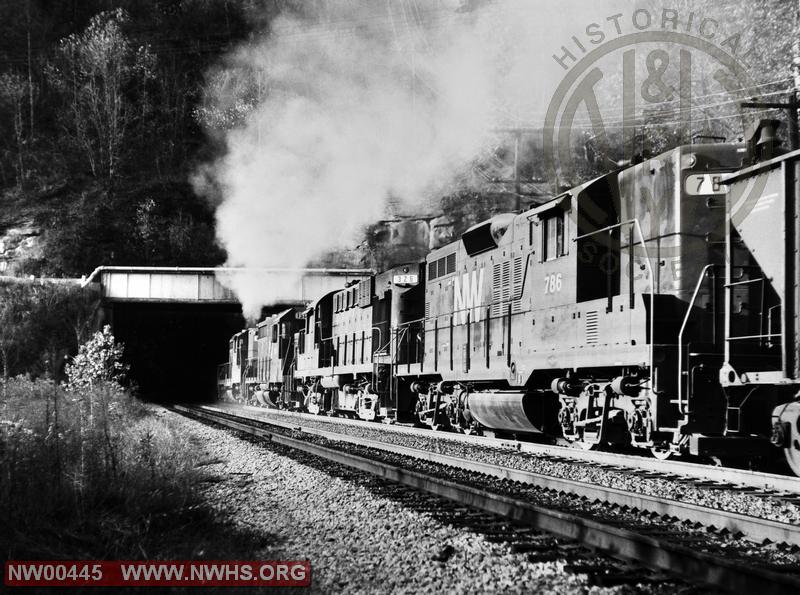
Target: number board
(702,184)
(405,279)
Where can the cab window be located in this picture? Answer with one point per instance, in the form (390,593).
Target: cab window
(554,240)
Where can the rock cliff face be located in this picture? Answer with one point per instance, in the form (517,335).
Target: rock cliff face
(404,236)
(409,237)
(18,242)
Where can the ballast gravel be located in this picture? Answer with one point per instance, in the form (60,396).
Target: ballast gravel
(765,507)
(358,537)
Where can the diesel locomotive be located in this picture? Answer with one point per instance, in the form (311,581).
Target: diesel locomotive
(655,307)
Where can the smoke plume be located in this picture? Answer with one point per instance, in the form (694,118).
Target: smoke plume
(332,114)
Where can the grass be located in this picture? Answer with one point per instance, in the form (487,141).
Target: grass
(98,475)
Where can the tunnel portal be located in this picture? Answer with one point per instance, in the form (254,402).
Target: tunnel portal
(176,322)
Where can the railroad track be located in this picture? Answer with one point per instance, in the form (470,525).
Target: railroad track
(649,545)
(770,484)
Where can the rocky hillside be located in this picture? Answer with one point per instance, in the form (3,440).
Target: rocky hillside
(97,133)
(100,136)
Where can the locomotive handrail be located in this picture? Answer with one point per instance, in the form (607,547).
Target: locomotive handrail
(648,264)
(761,336)
(753,337)
(697,287)
(380,340)
(522,283)
(418,340)
(745,282)
(410,322)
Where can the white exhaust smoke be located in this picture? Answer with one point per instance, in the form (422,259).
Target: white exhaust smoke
(328,117)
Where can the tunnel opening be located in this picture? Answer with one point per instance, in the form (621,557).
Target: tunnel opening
(174,348)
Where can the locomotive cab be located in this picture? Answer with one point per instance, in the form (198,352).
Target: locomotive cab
(398,319)
(353,339)
(276,353)
(238,376)
(314,352)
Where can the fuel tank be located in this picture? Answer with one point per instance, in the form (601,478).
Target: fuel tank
(512,411)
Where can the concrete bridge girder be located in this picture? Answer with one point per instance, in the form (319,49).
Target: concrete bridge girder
(203,285)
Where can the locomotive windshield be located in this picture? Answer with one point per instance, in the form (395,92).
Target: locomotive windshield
(486,235)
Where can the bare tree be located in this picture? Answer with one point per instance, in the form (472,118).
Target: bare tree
(99,74)
(13,93)
(15,319)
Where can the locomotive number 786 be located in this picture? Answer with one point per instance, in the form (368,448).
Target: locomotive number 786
(552,283)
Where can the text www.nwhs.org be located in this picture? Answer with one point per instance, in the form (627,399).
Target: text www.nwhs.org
(157,573)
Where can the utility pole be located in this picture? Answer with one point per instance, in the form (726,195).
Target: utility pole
(517,184)
(795,72)
(517,179)
(792,105)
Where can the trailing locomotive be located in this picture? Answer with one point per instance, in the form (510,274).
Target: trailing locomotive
(655,306)
(352,338)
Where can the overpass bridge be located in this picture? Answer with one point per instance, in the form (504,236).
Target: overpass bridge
(205,285)
(175,322)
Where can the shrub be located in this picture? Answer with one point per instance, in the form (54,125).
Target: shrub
(98,360)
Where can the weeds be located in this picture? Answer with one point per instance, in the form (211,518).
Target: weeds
(85,472)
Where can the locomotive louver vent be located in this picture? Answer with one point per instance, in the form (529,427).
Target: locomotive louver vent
(500,288)
(365,292)
(427,309)
(592,332)
(451,263)
(444,266)
(506,286)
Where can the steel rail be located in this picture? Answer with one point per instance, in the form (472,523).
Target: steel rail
(752,527)
(619,542)
(727,475)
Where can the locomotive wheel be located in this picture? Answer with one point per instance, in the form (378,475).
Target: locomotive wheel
(791,447)
(661,453)
(786,433)
(792,454)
